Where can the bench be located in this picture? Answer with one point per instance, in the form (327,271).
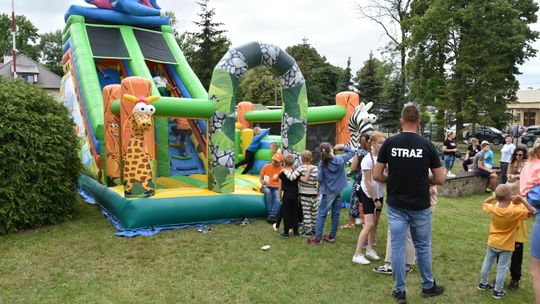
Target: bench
(465,183)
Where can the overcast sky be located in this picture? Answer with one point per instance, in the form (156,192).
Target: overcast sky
(334,28)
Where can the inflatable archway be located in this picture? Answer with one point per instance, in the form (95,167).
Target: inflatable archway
(225,78)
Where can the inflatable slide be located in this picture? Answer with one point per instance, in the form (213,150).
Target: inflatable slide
(159,150)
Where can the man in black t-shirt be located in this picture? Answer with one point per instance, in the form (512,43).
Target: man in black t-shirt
(408,158)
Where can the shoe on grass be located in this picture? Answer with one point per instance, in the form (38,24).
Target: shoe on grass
(400,296)
(314,240)
(372,254)
(360,259)
(329,239)
(514,285)
(384,269)
(434,291)
(498,294)
(487,286)
(488,190)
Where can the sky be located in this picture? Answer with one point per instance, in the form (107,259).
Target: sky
(334,28)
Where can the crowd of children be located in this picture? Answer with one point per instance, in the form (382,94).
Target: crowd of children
(307,193)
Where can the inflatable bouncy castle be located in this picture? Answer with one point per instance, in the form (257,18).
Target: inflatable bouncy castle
(158,149)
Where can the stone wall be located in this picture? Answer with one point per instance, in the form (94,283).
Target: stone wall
(465,183)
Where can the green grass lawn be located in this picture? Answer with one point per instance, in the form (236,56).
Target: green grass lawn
(82,261)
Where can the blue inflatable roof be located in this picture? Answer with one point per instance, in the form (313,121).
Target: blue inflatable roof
(114,17)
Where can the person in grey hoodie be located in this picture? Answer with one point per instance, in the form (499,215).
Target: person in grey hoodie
(332,180)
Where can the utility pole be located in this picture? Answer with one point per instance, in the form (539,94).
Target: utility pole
(13,34)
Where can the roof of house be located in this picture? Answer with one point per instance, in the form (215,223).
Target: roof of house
(25,64)
(528,96)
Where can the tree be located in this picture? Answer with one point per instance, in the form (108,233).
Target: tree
(391,15)
(465,55)
(369,83)
(346,80)
(321,77)
(259,85)
(50,46)
(389,118)
(27,36)
(188,44)
(211,44)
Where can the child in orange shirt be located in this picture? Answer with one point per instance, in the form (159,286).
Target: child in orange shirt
(502,235)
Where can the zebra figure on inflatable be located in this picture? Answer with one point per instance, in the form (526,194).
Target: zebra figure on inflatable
(360,123)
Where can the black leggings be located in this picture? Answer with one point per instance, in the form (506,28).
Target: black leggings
(517,259)
(249,159)
(290,212)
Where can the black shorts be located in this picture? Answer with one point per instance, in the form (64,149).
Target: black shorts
(368,204)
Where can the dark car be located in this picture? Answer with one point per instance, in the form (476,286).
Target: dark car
(529,137)
(493,135)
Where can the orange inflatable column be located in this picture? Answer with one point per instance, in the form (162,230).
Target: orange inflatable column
(348,100)
(113,173)
(243,107)
(137,138)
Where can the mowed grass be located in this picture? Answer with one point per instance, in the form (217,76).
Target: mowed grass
(82,261)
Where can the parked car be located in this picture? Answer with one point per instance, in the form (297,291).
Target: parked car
(532,128)
(493,135)
(529,137)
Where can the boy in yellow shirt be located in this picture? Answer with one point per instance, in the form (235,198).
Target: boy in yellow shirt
(502,235)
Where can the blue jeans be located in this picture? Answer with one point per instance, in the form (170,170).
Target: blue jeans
(329,201)
(449,161)
(502,267)
(420,225)
(271,198)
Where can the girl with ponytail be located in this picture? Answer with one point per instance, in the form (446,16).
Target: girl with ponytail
(332,180)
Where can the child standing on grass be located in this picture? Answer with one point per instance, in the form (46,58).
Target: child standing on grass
(288,190)
(332,180)
(502,235)
(308,191)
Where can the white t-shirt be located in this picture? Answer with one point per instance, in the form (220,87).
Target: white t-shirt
(506,152)
(367,164)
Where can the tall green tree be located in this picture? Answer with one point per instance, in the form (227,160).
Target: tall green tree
(321,77)
(346,80)
(369,82)
(50,47)
(392,103)
(211,43)
(465,55)
(375,83)
(26,39)
(260,85)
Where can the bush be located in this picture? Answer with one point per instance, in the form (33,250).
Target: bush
(39,162)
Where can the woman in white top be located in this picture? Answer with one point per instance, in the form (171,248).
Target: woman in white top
(506,155)
(372,200)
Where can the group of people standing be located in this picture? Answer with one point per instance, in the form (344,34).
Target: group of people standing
(409,167)
(406,163)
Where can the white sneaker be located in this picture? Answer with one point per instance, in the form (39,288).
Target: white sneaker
(274,225)
(373,255)
(450,174)
(360,259)
(358,221)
